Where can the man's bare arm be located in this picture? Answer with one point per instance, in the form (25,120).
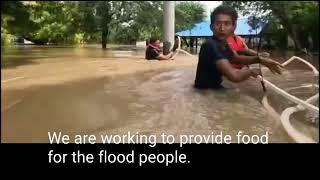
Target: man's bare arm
(164,57)
(243,59)
(273,66)
(233,74)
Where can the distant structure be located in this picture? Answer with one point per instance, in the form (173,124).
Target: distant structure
(202,31)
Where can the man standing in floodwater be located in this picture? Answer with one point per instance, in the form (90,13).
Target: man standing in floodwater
(216,56)
(153,51)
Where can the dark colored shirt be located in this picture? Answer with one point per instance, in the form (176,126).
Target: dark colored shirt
(208,75)
(151,53)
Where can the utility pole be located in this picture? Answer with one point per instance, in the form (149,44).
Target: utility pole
(168,26)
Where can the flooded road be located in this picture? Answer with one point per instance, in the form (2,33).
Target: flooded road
(88,90)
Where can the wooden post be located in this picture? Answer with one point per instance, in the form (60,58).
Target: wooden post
(196,45)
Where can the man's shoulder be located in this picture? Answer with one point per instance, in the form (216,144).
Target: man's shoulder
(151,49)
(151,53)
(210,42)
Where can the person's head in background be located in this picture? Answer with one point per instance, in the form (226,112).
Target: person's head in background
(223,21)
(155,42)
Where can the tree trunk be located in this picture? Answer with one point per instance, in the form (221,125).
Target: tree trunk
(295,38)
(250,43)
(315,41)
(191,42)
(104,38)
(292,32)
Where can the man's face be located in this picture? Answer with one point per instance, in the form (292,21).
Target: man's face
(157,43)
(223,26)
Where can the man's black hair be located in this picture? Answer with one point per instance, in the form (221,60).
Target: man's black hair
(227,10)
(153,40)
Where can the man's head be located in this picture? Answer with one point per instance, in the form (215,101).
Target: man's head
(154,42)
(223,21)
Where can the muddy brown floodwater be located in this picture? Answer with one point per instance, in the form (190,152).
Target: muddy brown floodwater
(87,90)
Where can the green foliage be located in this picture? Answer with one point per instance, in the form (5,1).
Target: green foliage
(299,19)
(187,14)
(143,19)
(6,38)
(68,22)
(148,19)
(18,21)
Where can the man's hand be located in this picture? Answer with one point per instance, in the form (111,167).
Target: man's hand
(171,56)
(165,57)
(274,66)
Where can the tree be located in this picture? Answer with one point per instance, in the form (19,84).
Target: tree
(297,18)
(43,22)
(85,21)
(104,16)
(111,14)
(68,22)
(15,18)
(126,28)
(143,19)
(149,19)
(187,14)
